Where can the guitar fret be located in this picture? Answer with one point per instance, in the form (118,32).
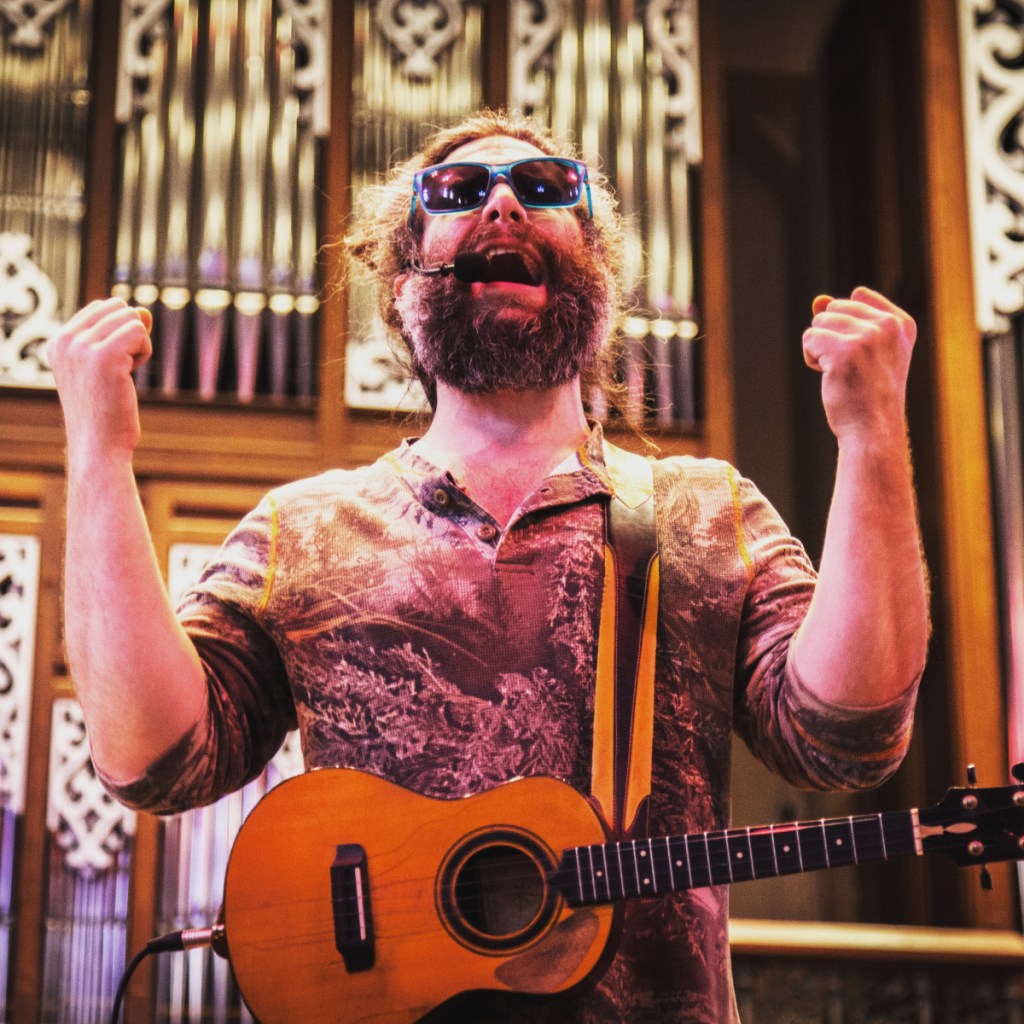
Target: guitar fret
(647,880)
(668,861)
(706,846)
(615,864)
(741,868)
(700,869)
(642,883)
(607,876)
(593,879)
(762,852)
(869,837)
(640,857)
(654,872)
(630,870)
(679,857)
(788,858)
(707,858)
(717,847)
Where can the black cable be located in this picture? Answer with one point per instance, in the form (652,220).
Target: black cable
(123,984)
(188,938)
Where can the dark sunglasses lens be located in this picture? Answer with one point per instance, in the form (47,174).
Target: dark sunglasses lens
(455,187)
(547,182)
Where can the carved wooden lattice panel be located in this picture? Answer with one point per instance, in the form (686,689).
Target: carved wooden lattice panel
(90,838)
(992,50)
(19,595)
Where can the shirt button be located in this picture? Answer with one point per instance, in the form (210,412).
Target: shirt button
(487,532)
(442,497)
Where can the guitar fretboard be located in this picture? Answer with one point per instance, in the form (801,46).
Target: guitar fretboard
(648,867)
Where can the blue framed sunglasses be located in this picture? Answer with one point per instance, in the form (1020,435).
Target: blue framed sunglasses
(542,183)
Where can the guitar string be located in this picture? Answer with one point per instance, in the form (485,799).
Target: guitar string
(472,896)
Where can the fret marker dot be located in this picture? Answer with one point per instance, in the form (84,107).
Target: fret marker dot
(739,855)
(643,853)
(679,863)
(785,849)
(600,874)
(647,881)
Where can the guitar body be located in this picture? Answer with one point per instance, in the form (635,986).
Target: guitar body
(351,900)
(426,898)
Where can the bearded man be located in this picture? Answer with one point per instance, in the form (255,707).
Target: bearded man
(435,618)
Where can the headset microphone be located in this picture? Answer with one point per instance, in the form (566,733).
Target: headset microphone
(468,267)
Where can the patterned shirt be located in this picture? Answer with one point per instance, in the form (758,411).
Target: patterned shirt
(408,634)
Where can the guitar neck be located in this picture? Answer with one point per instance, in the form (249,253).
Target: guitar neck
(607,872)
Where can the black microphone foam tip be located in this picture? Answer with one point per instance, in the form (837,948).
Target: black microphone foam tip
(471,267)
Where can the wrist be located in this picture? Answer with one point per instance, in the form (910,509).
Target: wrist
(881,436)
(91,459)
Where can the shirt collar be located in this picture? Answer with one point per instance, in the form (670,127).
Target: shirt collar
(438,490)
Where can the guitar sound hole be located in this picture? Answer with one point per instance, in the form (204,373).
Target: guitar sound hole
(500,890)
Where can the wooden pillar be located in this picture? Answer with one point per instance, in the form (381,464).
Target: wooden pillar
(967,560)
(715,315)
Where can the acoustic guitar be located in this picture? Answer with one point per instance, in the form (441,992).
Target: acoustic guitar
(350,899)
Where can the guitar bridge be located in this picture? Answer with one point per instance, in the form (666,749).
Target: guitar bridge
(350,903)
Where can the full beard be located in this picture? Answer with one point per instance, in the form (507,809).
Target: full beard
(487,344)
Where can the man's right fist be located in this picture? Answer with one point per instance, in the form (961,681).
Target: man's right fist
(93,356)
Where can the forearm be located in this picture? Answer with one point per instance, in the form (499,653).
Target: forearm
(864,640)
(135,670)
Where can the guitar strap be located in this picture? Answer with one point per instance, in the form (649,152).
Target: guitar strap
(627,641)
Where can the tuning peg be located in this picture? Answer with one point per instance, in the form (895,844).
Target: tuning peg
(986,878)
(1017,771)
(972,775)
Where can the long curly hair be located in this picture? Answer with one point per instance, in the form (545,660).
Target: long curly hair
(386,240)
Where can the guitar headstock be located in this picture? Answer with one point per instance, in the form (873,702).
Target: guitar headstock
(976,825)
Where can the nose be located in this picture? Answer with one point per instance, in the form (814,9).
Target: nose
(503,204)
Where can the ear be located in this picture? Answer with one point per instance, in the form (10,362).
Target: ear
(399,285)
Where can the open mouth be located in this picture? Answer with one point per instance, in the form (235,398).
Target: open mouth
(513,267)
